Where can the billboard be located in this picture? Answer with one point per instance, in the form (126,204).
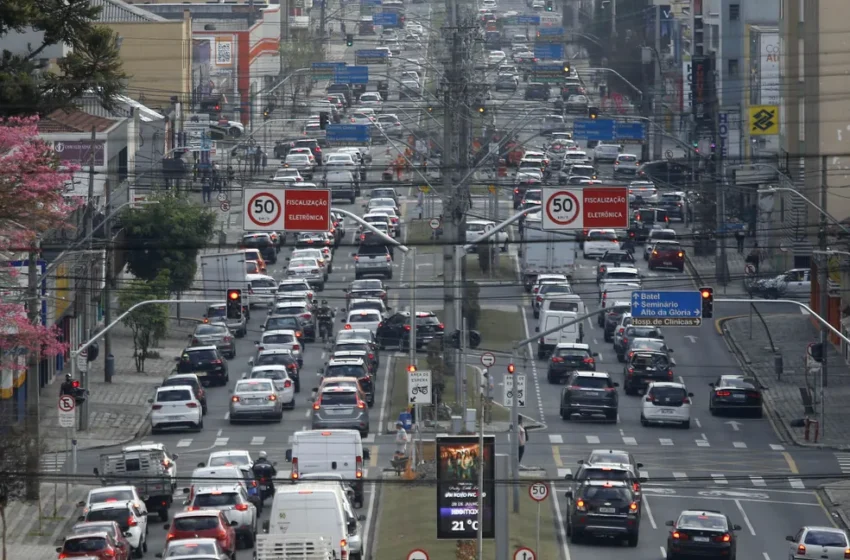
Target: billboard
(459,459)
(769,68)
(702,89)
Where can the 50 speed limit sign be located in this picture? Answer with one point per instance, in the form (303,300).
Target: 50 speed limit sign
(585,208)
(263,210)
(563,208)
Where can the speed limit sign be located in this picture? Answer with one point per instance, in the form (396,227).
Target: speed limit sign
(263,210)
(563,208)
(538,491)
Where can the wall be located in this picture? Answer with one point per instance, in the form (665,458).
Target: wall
(157,57)
(264,58)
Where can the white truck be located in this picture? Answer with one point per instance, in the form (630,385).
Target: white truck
(224,271)
(545,252)
(293,547)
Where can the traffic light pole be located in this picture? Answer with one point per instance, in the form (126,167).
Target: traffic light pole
(84,408)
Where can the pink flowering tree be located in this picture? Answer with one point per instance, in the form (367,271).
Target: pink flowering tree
(32,203)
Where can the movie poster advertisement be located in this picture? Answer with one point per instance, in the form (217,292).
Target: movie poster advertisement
(459,459)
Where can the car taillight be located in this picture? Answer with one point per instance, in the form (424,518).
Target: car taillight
(801,549)
(633,506)
(216,362)
(296,347)
(63,556)
(631,371)
(389,258)
(650,398)
(723,538)
(539,299)
(347,327)
(241,507)
(686,400)
(588,360)
(723,393)
(557,359)
(358,466)
(171,535)
(580,505)
(195,342)
(193,508)
(625,340)
(372,356)
(306,315)
(516,191)
(261,348)
(192,405)
(655,253)
(295,474)
(316,406)
(753,395)
(109,553)
(847,553)
(679,536)
(357,257)
(536,289)
(670,373)
(221,534)
(621,331)
(272,397)
(287,384)
(228,338)
(131,521)
(441,326)
(157,407)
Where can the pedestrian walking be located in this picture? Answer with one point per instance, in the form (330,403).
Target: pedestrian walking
(740,236)
(258,157)
(264,161)
(522,435)
(754,257)
(231,174)
(206,190)
(401,439)
(195,171)
(342,27)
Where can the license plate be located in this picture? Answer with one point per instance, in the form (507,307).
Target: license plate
(175,416)
(607,510)
(593,394)
(668,263)
(700,539)
(738,397)
(336,412)
(666,411)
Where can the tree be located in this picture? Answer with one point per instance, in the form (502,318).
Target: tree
(27,87)
(149,323)
(167,237)
(15,446)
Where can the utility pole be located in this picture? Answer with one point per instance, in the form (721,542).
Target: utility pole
(34,444)
(87,276)
(721,266)
(823,280)
(323,22)
(109,279)
(284,38)
(657,89)
(613,19)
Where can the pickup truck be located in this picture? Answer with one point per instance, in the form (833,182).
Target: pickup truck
(643,368)
(148,467)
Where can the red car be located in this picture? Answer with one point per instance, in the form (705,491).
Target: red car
(667,254)
(111,527)
(93,545)
(203,524)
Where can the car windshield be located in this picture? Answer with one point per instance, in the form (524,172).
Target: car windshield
(643,332)
(263,283)
(294,287)
(602,236)
(206,330)
(256,386)
(555,289)
(110,496)
(606,494)
(274,323)
(274,359)
(351,347)
(85,544)
(667,235)
(356,306)
(618,257)
(216,499)
(702,522)
(173,395)
(649,361)
(289,309)
(197,523)
(339,398)
(571,353)
(190,549)
(737,382)
(278,339)
(303,263)
(345,370)
(273,374)
(622,276)
(815,537)
(649,344)
(119,515)
(564,305)
(627,157)
(367,285)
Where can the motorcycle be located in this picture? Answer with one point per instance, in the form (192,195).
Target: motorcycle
(326,328)
(266,488)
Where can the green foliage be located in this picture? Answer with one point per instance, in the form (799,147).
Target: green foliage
(149,323)
(26,88)
(471,308)
(167,237)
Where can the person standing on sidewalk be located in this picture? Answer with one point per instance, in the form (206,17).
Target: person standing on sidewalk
(265,161)
(206,189)
(522,434)
(740,236)
(754,257)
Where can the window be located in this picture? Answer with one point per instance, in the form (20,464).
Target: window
(733,67)
(734,12)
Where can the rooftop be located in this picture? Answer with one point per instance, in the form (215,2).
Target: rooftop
(73,121)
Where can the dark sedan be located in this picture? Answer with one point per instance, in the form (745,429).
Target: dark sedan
(570,357)
(735,393)
(706,534)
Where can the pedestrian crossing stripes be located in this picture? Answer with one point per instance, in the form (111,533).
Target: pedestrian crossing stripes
(52,462)
(255,441)
(558,439)
(843,462)
(258,440)
(659,478)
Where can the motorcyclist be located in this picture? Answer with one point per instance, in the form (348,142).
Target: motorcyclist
(325,315)
(265,472)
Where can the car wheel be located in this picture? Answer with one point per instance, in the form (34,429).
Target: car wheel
(541,354)
(145,543)
(643,420)
(280,416)
(137,552)
(204,410)
(686,424)
(549,377)
(759,413)
(565,414)
(712,410)
(607,337)
(611,416)
(576,537)
(650,267)
(584,255)
(248,539)
(200,424)
(621,358)
(633,540)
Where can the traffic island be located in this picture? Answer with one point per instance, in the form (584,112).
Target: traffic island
(503,270)
(420,234)
(500,328)
(407,520)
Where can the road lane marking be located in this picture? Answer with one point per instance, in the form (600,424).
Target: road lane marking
(665,441)
(556,456)
(373,456)
(680,476)
(766,557)
(562,473)
(383,400)
(796,483)
(758,481)
(649,513)
(562,531)
(592,439)
(663,552)
(258,440)
(739,445)
(184,442)
(219,442)
(369,439)
(757,500)
(719,479)
(227,416)
(556,438)
(534,376)
(629,440)
(307,412)
(746,519)
(792,464)
(698,423)
(218,433)
(702,443)
(777,447)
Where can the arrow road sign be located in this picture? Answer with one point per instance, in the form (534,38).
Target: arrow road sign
(666,309)
(419,387)
(524,554)
(509,390)
(67,415)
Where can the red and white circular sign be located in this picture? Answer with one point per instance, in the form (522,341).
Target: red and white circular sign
(263,210)
(524,554)
(417,554)
(538,491)
(563,208)
(67,403)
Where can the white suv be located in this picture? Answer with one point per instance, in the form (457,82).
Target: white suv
(176,405)
(113,494)
(666,403)
(233,501)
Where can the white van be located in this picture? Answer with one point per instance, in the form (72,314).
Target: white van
(562,302)
(330,451)
(549,320)
(355,529)
(311,509)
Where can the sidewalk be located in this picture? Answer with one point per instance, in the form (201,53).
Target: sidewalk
(118,411)
(703,268)
(838,494)
(791,333)
(33,531)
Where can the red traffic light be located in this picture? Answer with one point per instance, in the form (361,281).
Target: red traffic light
(706,293)
(411,368)
(511,368)
(234,294)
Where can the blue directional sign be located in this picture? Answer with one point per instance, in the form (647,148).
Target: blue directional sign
(371,2)
(370,56)
(656,308)
(550,31)
(352,75)
(385,18)
(356,133)
(549,51)
(528,20)
(630,132)
(325,70)
(599,129)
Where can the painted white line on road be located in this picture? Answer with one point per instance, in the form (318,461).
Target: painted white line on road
(698,423)
(220,442)
(562,534)
(258,440)
(184,442)
(595,342)
(592,439)
(218,433)
(796,483)
(702,443)
(649,513)
(562,472)
(746,519)
(739,445)
(719,479)
(534,377)
(663,552)
(556,438)
(704,437)
(758,481)
(777,447)
(309,410)
(629,440)
(370,510)
(680,476)
(766,557)
(665,441)
(227,416)
(803,311)
(383,398)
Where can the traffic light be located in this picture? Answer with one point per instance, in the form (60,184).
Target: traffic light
(266,114)
(567,68)
(411,368)
(323,120)
(707,302)
(549,6)
(349,40)
(430,109)
(511,369)
(217,108)
(593,113)
(234,304)
(695,146)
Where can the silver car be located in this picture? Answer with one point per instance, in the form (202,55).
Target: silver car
(215,334)
(309,269)
(255,398)
(302,163)
(217,313)
(340,407)
(279,376)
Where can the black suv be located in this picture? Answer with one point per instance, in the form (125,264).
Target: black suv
(315,146)
(537,91)
(669,173)
(603,508)
(206,362)
(630,332)
(608,464)
(395,331)
(280,358)
(612,319)
(568,357)
(614,259)
(588,393)
(645,367)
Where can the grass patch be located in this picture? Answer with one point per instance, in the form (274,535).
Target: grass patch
(500,330)
(419,235)
(408,520)
(504,270)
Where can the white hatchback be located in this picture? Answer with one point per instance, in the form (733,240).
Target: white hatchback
(597,242)
(176,405)
(666,403)
(364,319)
